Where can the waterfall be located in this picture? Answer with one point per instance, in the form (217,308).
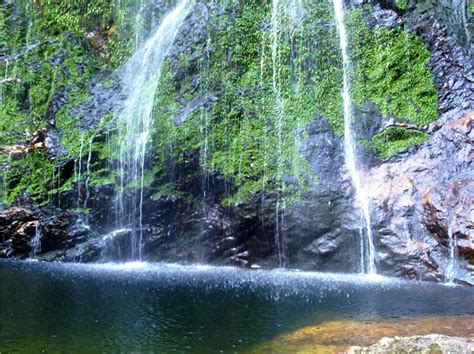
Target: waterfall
(367,249)
(79,172)
(139,77)
(88,172)
(5,169)
(451,270)
(275,31)
(296,11)
(29,32)
(114,245)
(204,154)
(35,243)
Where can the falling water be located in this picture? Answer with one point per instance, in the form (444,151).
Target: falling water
(5,76)
(35,243)
(275,27)
(140,76)
(461,19)
(296,12)
(29,32)
(6,168)
(367,252)
(7,164)
(79,172)
(88,171)
(204,153)
(139,24)
(453,256)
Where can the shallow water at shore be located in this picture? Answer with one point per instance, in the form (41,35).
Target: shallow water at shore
(168,307)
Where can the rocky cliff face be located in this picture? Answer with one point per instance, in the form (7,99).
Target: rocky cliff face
(422,198)
(210,199)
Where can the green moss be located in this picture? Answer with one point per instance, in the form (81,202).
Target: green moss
(251,135)
(169,189)
(395,139)
(247,136)
(34,174)
(56,45)
(391,70)
(401,4)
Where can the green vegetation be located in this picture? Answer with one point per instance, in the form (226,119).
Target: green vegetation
(250,132)
(33,174)
(395,139)
(401,4)
(50,46)
(391,70)
(248,136)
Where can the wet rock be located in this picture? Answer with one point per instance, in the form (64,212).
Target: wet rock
(193,30)
(86,252)
(119,245)
(320,231)
(447,213)
(386,18)
(59,231)
(15,214)
(17,227)
(192,105)
(103,100)
(59,98)
(451,60)
(52,143)
(416,197)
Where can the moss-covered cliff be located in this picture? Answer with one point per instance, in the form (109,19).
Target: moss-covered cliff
(216,96)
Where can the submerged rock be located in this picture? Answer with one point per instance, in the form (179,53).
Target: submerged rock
(431,343)
(400,335)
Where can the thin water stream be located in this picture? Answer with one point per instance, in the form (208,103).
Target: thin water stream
(279,111)
(368,249)
(35,243)
(451,270)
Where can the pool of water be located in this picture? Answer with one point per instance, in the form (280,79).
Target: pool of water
(143,307)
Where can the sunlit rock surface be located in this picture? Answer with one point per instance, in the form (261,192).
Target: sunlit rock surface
(431,343)
(348,336)
(416,199)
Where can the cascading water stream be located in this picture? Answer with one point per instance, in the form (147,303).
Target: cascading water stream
(368,250)
(6,168)
(35,243)
(88,171)
(453,256)
(139,77)
(275,31)
(79,172)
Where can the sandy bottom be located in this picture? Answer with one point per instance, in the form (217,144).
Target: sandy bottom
(339,336)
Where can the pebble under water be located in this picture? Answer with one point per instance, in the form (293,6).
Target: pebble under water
(143,307)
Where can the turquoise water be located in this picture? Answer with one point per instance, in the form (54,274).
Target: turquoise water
(140,307)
